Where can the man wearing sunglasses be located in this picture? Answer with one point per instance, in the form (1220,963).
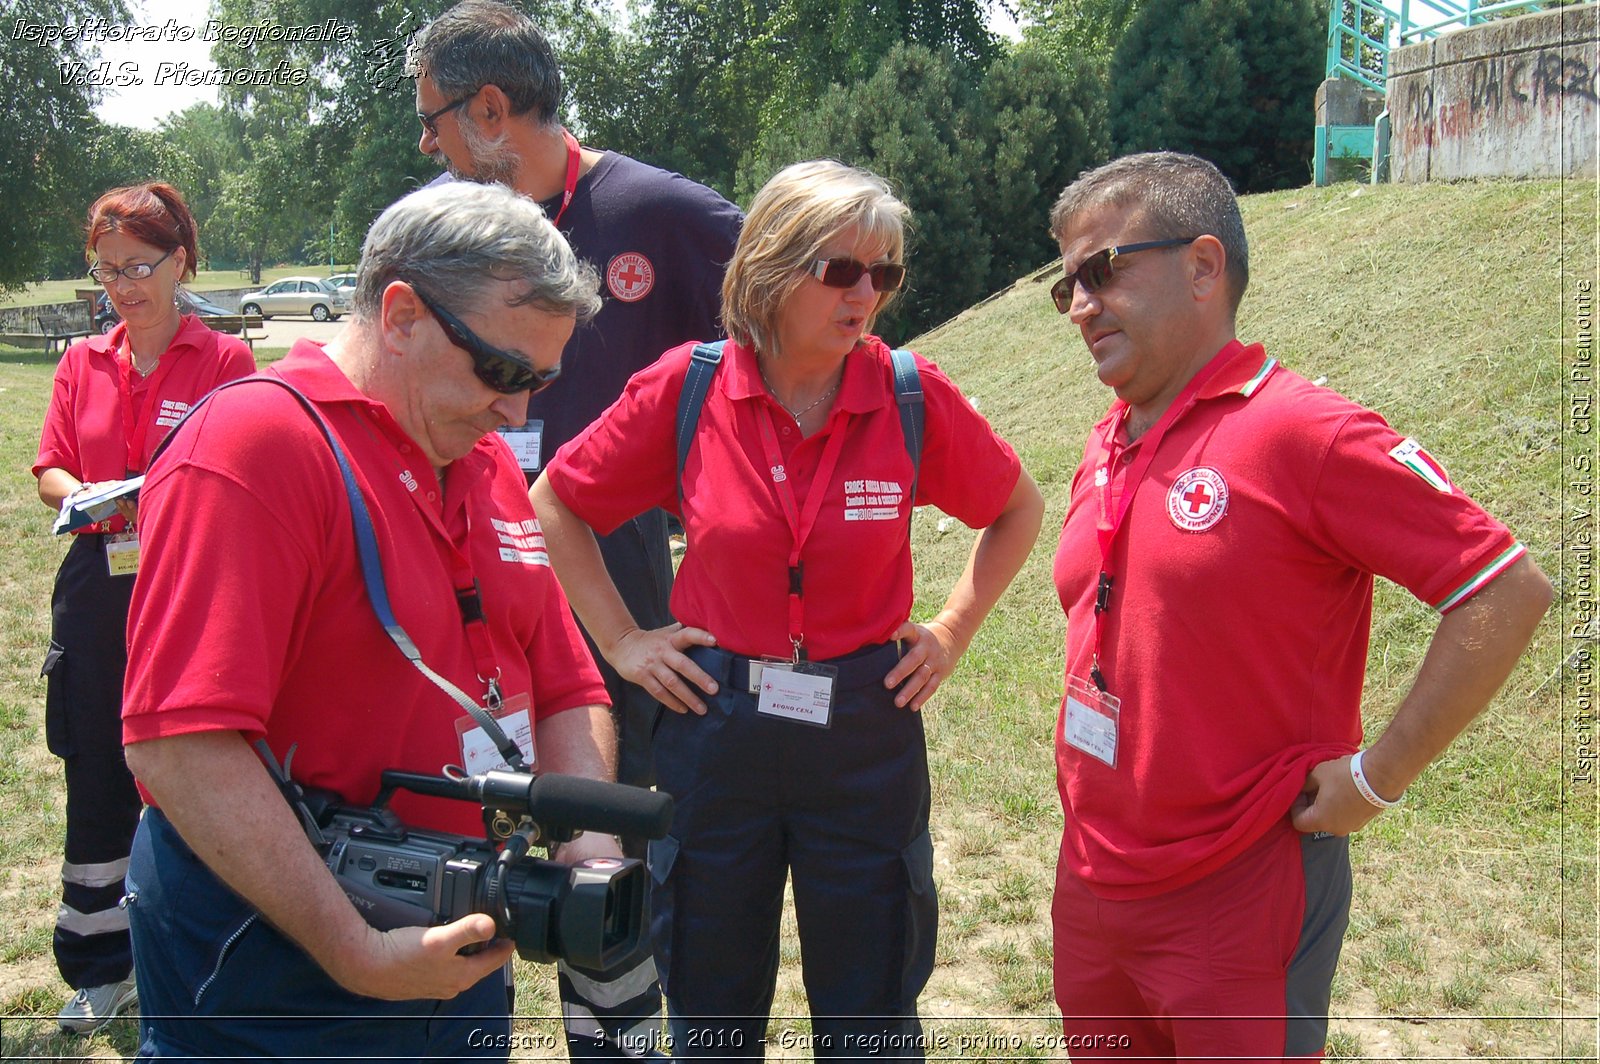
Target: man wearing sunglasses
(1216,567)
(254,622)
(488,96)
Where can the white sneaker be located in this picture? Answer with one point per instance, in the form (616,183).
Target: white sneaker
(93,1007)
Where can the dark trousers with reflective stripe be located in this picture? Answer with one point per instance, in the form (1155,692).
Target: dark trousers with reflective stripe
(83,727)
(616,1015)
(842,810)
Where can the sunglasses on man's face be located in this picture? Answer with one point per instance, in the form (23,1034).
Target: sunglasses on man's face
(1095,272)
(845,272)
(500,370)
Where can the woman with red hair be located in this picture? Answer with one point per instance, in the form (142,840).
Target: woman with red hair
(115,397)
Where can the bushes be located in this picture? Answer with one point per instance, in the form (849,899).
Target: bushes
(1233,81)
(978,164)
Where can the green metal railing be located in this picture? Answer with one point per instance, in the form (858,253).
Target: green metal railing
(1360,35)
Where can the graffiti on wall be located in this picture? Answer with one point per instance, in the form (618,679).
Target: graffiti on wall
(1500,90)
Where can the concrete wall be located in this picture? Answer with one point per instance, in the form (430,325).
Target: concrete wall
(25,319)
(1511,98)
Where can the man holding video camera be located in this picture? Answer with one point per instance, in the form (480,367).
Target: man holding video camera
(253,620)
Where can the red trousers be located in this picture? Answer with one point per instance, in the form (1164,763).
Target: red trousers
(1236,966)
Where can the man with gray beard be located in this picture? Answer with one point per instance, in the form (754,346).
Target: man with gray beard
(488,95)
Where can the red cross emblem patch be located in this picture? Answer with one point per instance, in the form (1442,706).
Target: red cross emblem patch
(630,276)
(1197,499)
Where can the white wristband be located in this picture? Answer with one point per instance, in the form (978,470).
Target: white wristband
(1360,779)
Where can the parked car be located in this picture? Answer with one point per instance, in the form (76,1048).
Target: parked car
(344,280)
(297,295)
(106,316)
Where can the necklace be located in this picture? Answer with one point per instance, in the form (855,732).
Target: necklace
(133,361)
(798,414)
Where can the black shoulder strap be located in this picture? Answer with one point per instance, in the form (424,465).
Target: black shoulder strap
(705,359)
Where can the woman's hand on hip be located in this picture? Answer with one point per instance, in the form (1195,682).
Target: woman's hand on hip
(930,658)
(655,660)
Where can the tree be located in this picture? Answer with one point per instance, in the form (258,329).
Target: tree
(1064,28)
(105,157)
(213,141)
(915,123)
(1046,124)
(695,85)
(681,89)
(979,165)
(1233,81)
(48,94)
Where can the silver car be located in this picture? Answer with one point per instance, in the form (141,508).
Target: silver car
(297,295)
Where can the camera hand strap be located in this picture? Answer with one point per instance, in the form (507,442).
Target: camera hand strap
(372,569)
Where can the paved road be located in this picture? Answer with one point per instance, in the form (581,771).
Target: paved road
(283,332)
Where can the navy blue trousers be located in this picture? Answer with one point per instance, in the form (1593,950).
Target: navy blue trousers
(83,726)
(843,811)
(216,981)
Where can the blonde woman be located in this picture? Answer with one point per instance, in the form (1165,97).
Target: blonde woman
(794,748)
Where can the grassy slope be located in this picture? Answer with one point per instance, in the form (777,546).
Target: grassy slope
(1442,307)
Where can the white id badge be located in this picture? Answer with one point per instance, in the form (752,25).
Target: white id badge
(478,752)
(122,553)
(797,691)
(525,441)
(1090,722)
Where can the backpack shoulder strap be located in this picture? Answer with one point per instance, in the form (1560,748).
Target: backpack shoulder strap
(706,358)
(703,363)
(908,394)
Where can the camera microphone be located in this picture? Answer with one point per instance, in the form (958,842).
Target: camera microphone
(609,808)
(571,803)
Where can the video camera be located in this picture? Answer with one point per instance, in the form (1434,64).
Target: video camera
(589,914)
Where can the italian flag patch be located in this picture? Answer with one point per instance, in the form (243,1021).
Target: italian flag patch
(1410,454)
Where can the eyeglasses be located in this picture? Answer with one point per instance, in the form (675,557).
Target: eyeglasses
(500,370)
(138,271)
(430,121)
(845,272)
(1094,272)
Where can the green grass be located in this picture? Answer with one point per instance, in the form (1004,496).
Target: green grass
(1473,925)
(204,281)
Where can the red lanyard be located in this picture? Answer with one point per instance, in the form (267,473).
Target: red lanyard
(574,157)
(469,600)
(1107,524)
(800,522)
(136,430)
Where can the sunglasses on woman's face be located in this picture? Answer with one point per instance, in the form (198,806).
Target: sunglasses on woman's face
(500,370)
(845,272)
(1094,272)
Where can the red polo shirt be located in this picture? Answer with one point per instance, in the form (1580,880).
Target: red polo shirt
(1242,599)
(250,613)
(87,430)
(734,578)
